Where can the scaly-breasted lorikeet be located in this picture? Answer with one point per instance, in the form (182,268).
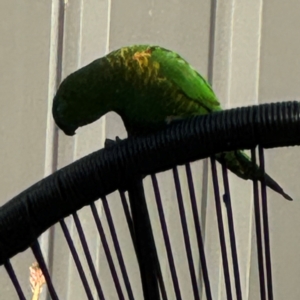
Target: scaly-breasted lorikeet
(148,86)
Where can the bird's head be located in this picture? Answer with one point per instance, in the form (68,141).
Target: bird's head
(81,98)
(61,115)
(63,108)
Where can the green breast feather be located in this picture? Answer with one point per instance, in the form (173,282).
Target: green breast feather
(148,86)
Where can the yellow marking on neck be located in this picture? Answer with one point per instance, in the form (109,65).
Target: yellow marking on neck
(148,67)
(142,58)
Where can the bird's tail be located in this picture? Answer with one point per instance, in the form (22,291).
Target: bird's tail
(240,164)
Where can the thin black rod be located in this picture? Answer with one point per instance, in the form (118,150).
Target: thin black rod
(145,244)
(161,283)
(35,247)
(221,228)
(198,231)
(235,261)
(260,258)
(14,279)
(186,234)
(128,216)
(117,247)
(76,259)
(88,256)
(107,251)
(166,237)
(266,226)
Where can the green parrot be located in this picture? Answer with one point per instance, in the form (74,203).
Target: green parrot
(148,86)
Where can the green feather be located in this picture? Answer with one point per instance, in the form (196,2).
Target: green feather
(184,76)
(148,86)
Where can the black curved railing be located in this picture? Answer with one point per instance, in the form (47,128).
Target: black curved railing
(25,217)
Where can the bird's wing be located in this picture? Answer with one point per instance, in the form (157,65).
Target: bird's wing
(185,77)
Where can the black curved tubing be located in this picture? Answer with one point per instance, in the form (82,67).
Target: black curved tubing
(33,211)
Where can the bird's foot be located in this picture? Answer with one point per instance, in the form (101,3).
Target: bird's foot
(170,119)
(109,142)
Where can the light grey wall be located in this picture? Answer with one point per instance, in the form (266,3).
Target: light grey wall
(255,59)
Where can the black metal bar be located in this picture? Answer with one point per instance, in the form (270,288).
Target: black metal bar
(88,256)
(117,248)
(166,237)
(35,247)
(186,234)
(260,258)
(161,283)
(127,216)
(76,259)
(145,245)
(107,252)
(14,279)
(221,228)
(227,200)
(130,225)
(198,231)
(266,226)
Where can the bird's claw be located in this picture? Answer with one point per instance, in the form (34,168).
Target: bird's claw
(109,142)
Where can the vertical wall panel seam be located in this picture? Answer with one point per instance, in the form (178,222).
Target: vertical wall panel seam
(51,143)
(230,58)
(107,48)
(204,194)
(259,48)
(251,225)
(79,66)
(108,26)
